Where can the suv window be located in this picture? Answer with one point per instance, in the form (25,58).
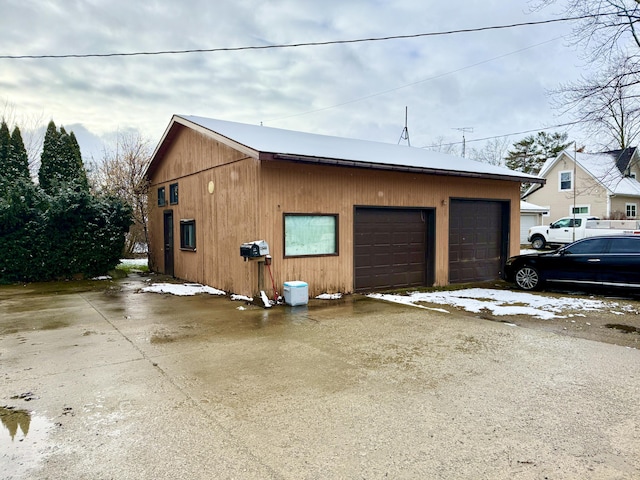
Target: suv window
(590,246)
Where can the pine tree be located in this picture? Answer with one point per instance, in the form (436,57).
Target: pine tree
(48,173)
(5,147)
(61,162)
(18,158)
(529,154)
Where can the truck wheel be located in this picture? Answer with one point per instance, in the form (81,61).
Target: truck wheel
(538,242)
(527,278)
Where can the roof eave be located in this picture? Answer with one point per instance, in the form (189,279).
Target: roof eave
(397,168)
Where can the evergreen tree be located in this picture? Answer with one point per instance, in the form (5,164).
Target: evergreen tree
(18,158)
(529,154)
(5,147)
(61,162)
(48,174)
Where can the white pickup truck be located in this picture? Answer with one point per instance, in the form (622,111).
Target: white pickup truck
(569,229)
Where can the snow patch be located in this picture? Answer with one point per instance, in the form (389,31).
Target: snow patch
(242,298)
(182,290)
(500,302)
(102,277)
(329,296)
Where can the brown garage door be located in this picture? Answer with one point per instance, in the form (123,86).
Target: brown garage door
(392,248)
(478,236)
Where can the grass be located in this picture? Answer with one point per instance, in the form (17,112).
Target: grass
(132,266)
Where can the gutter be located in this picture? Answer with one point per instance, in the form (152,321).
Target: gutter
(397,168)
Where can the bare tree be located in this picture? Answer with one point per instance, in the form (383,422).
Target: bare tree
(493,152)
(120,172)
(440,145)
(607,105)
(606,101)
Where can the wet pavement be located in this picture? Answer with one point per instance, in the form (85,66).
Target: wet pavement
(99,381)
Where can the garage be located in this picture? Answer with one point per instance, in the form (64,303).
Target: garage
(478,239)
(393,247)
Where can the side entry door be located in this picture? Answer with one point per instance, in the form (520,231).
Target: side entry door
(168,242)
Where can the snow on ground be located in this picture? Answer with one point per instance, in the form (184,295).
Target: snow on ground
(506,302)
(136,262)
(329,296)
(182,289)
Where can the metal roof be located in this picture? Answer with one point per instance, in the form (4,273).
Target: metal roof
(266,143)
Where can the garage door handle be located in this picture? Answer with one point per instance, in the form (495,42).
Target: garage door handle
(594,260)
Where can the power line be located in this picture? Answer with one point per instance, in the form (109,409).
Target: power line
(295,45)
(434,77)
(560,125)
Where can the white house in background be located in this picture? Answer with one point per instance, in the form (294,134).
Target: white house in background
(530,216)
(604,185)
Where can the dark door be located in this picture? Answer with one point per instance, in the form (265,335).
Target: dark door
(168,242)
(478,239)
(393,248)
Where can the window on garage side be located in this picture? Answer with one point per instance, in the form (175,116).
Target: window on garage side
(310,235)
(631,210)
(565,181)
(188,234)
(173,193)
(161,198)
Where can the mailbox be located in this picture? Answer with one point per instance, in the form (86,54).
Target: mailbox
(255,249)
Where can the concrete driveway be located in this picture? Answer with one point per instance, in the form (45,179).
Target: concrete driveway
(98,381)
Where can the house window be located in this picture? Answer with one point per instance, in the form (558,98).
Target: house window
(566,181)
(631,210)
(161,198)
(173,193)
(633,175)
(310,235)
(580,210)
(188,234)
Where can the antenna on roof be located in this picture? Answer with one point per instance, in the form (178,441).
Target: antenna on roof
(405,132)
(464,142)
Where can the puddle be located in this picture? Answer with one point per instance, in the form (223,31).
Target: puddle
(623,328)
(22,440)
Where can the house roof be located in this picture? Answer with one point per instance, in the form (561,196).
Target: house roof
(623,157)
(526,207)
(605,168)
(268,143)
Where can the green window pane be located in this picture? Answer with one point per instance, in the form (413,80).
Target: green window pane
(310,235)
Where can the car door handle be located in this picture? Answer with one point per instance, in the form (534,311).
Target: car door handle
(593,260)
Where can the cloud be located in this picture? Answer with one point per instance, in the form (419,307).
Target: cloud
(357,90)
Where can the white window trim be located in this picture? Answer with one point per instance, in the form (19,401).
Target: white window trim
(635,207)
(560,189)
(587,206)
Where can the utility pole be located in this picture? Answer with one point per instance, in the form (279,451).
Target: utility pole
(464,141)
(405,132)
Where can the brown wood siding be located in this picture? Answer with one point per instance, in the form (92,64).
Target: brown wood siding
(297,188)
(224,219)
(250,198)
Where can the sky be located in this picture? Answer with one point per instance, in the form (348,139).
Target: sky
(488,83)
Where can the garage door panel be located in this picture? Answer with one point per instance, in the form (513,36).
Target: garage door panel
(476,240)
(390,248)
